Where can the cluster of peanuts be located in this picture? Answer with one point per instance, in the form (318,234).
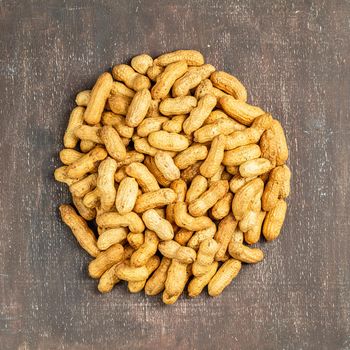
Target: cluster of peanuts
(179,172)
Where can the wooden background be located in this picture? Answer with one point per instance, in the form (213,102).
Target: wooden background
(293,56)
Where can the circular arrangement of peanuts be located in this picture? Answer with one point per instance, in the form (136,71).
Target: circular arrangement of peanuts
(179,172)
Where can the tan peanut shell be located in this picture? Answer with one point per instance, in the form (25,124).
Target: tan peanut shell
(229,84)
(143,176)
(201,235)
(119,104)
(82,98)
(222,207)
(98,98)
(119,88)
(69,156)
(198,283)
(215,156)
(285,186)
(156,223)
(149,125)
(254,167)
(84,186)
(86,163)
(242,138)
(138,108)
(178,105)
(244,197)
(190,156)
(118,122)
(224,276)
(243,253)
(151,265)
(130,273)
(221,126)
(167,79)
(167,141)
(85,212)
(207,200)
(198,186)
(190,172)
(141,63)
(151,166)
(199,114)
(111,236)
(238,181)
(241,154)
(105,183)
(76,119)
(88,133)
(154,72)
(173,250)
(274,220)
(92,198)
(166,165)
(105,260)
(273,188)
(80,229)
(126,195)
(114,220)
(205,256)
(131,157)
(224,234)
(132,79)
(281,142)
(183,236)
(175,124)
(176,280)
(184,220)
(142,145)
(191,79)
(252,236)
(239,110)
(154,199)
(191,57)
(146,250)
(135,239)
(113,143)
(179,186)
(156,283)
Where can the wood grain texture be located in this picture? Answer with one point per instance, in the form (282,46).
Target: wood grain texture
(293,57)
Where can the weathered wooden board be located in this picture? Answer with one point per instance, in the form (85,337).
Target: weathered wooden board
(293,56)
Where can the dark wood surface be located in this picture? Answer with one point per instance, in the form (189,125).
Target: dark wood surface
(293,56)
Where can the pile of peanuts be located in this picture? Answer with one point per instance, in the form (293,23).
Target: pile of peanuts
(179,172)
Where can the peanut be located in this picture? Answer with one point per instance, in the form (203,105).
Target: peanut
(239,110)
(224,276)
(154,72)
(143,176)
(191,79)
(149,125)
(215,156)
(156,283)
(252,236)
(80,229)
(126,195)
(281,142)
(274,220)
(133,80)
(113,142)
(167,141)
(166,166)
(198,283)
(178,105)
(105,260)
(241,154)
(199,114)
(174,250)
(183,219)
(76,119)
(191,57)
(98,97)
(224,234)
(141,63)
(114,220)
(135,239)
(190,156)
(118,122)
(87,213)
(119,104)
(229,84)
(84,186)
(205,257)
(119,88)
(243,253)
(156,223)
(201,235)
(154,199)
(82,98)
(198,186)
(242,138)
(207,200)
(183,236)
(222,207)
(151,166)
(105,183)
(167,79)
(69,156)
(175,124)
(110,237)
(138,108)
(254,167)
(146,250)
